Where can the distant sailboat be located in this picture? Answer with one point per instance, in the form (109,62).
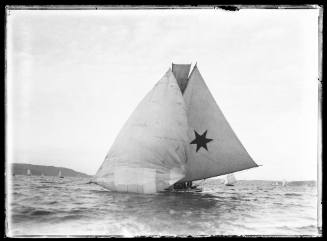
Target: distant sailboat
(177,134)
(284,183)
(29,172)
(230,180)
(275,184)
(59,174)
(42,175)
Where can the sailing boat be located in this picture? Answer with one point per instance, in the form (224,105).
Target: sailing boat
(275,184)
(59,174)
(177,134)
(230,180)
(284,183)
(28,172)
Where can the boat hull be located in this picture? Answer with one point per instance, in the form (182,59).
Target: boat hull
(189,189)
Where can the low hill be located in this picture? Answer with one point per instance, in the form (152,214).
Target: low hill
(37,170)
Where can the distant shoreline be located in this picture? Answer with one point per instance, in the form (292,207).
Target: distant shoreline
(39,170)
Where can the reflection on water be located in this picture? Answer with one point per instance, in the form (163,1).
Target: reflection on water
(69,206)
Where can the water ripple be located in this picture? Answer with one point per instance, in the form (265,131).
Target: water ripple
(71,206)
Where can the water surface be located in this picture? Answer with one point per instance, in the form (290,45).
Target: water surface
(70,206)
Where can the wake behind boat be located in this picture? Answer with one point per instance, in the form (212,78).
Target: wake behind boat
(176,135)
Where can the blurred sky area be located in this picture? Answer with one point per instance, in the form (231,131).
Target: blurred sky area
(74,77)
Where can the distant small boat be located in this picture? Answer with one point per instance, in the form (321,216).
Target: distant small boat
(230,180)
(42,175)
(275,184)
(284,183)
(28,172)
(59,174)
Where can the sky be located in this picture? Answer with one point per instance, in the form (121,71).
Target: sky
(75,76)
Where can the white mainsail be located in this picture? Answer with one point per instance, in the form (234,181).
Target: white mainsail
(59,174)
(230,179)
(28,172)
(149,153)
(214,148)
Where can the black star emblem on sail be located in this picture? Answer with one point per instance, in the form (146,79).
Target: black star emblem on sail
(200,140)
